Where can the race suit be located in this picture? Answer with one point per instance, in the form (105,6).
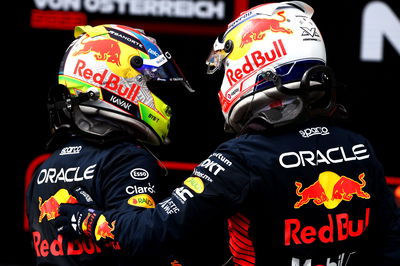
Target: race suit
(120,176)
(301,196)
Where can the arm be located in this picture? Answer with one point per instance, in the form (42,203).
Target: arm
(389,225)
(387,234)
(213,192)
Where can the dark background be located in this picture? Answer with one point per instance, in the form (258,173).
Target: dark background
(31,57)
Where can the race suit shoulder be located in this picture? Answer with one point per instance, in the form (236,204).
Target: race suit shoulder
(119,176)
(314,195)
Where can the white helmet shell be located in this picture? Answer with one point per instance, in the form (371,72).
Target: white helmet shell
(278,37)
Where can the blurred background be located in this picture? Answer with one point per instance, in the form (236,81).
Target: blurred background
(362,39)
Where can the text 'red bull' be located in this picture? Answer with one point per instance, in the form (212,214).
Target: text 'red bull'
(256,59)
(110,81)
(60,247)
(340,227)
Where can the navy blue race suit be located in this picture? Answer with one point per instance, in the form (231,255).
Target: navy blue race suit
(119,176)
(299,196)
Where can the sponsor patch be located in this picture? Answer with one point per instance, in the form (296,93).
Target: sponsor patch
(195,184)
(142,200)
(139,174)
(103,228)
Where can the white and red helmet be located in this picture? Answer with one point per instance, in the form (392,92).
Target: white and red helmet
(266,53)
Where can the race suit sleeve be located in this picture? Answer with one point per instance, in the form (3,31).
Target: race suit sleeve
(128,175)
(388,220)
(389,226)
(214,191)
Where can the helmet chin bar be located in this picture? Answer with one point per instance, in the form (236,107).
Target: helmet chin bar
(317,89)
(60,105)
(67,102)
(314,95)
(95,124)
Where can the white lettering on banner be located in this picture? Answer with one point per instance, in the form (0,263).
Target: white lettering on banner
(72,174)
(73,5)
(156,8)
(379,22)
(333,155)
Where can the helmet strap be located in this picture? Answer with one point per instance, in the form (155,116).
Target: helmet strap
(317,92)
(319,98)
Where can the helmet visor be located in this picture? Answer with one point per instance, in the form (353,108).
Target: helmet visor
(164,69)
(216,58)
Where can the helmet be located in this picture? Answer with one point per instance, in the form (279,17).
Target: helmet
(110,73)
(274,60)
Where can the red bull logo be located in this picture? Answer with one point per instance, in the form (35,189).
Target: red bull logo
(59,246)
(49,208)
(315,192)
(330,189)
(103,228)
(255,60)
(103,50)
(108,80)
(256,29)
(339,227)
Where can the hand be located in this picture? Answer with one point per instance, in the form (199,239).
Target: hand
(77,219)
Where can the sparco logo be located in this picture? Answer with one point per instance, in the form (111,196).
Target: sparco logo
(71,150)
(139,174)
(308,132)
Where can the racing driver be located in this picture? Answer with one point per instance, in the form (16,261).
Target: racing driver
(295,188)
(103,112)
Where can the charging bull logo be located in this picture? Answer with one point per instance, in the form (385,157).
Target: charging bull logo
(330,189)
(256,28)
(49,208)
(103,229)
(104,50)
